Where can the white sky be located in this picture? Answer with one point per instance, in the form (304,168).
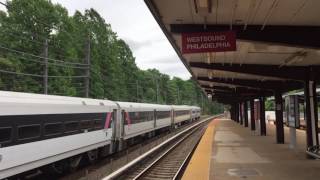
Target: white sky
(133,22)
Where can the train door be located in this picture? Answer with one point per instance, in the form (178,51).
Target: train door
(114,124)
(155,118)
(123,120)
(172,118)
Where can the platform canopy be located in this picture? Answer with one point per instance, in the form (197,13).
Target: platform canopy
(277,43)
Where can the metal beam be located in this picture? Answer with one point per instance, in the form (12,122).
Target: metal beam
(300,36)
(236,89)
(252,120)
(279,117)
(285,72)
(233,94)
(245,113)
(263,127)
(241,113)
(225,99)
(268,84)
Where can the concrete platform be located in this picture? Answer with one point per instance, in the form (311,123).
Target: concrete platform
(238,153)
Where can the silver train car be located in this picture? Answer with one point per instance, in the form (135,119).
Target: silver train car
(55,133)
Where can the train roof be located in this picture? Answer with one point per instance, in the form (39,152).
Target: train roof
(181,107)
(32,98)
(143,105)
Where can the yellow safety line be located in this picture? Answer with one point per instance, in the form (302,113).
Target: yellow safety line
(199,165)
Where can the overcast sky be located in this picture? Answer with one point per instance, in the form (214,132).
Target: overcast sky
(134,23)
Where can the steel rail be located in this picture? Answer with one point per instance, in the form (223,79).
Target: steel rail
(186,159)
(123,169)
(164,154)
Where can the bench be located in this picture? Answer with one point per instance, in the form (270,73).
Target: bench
(314,151)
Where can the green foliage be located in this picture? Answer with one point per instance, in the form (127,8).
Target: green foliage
(114,74)
(269,105)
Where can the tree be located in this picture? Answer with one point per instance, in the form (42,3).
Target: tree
(114,74)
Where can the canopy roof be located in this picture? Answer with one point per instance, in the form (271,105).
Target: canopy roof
(277,43)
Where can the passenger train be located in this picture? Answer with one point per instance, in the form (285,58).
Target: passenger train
(55,133)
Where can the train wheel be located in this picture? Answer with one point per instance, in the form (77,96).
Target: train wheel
(74,162)
(92,156)
(56,168)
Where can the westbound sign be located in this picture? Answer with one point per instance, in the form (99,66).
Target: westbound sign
(208,42)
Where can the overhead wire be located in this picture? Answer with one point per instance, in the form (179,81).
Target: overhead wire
(13,34)
(55,62)
(49,63)
(18,73)
(41,57)
(38,75)
(51,40)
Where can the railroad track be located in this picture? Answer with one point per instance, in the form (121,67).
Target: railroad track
(167,161)
(170,163)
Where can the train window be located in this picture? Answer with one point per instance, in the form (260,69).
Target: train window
(5,134)
(28,131)
(181,113)
(52,129)
(71,126)
(85,124)
(138,117)
(163,114)
(97,123)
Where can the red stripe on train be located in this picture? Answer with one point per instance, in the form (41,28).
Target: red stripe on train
(108,120)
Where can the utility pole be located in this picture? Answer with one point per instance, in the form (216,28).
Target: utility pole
(157,84)
(165,97)
(137,90)
(45,74)
(202,102)
(87,70)
(178,96)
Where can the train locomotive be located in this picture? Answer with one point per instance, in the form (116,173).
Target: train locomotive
(55,133)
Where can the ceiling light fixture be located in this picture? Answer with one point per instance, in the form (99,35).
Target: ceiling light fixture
(294,58)
(202,7)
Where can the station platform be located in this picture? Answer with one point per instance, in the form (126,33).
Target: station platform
(229,151)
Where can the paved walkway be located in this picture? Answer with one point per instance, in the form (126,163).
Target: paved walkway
(238,153)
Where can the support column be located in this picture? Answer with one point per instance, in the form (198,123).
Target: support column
(252,120)
(279,117)
(263,130)
(236,110)
(45,70)
(311,110)
(87,70)
(245,114)
(232,113)
(240,113)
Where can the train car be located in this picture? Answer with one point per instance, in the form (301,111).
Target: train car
(181,114)
(198,113)
(37,130)
(141,118)
(54,133)
(163,116)
(195,113)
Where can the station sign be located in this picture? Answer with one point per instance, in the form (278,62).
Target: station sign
(208,42)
